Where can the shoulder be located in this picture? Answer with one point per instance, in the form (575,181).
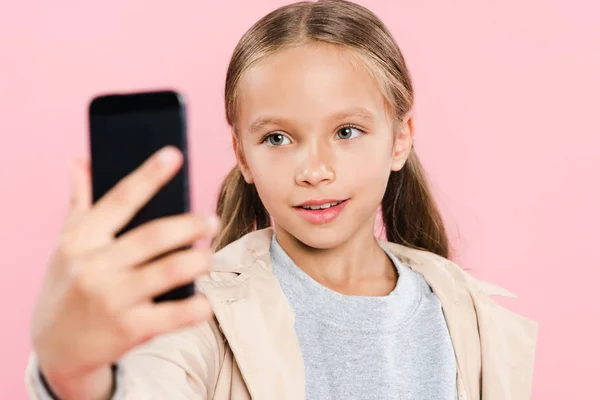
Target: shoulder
(435,267)
(452,284)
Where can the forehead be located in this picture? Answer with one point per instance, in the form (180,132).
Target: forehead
(306,83)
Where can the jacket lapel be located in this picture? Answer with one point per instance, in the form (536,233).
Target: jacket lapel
(508,343)
(258,324)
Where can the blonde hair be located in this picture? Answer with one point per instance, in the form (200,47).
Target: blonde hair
(409,213)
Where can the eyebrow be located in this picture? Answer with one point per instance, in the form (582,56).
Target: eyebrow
(360,112)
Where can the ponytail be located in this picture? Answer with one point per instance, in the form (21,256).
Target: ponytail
(409,213)
(240,209)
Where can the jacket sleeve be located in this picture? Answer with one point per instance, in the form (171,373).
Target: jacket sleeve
(38,387)
(180,365)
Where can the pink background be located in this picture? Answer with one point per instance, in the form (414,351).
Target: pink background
(506,97)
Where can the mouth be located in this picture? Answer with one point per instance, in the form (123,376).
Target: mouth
(320,204)
(321,211)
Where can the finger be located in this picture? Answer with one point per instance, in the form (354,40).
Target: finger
(81,189)
(150,319)
(114,210)
(159,237)
(82,183)
(160,276)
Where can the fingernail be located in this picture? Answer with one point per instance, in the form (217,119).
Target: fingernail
(167,155)
(213,222)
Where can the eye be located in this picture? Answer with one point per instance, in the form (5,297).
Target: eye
(349,132)
(276,140)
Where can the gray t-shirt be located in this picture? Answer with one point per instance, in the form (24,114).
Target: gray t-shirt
(370,348)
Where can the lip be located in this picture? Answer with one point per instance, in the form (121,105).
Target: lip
(318,217)
(318,202)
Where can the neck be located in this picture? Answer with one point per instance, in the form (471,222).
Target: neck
(356,266)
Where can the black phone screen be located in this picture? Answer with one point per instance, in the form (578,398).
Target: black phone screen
(126,129)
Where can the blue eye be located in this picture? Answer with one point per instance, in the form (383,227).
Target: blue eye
(349,132)
(276,140)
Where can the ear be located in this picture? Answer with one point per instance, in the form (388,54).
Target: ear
(403,142)
(241,160)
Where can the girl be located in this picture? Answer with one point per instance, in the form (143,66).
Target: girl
(307,302)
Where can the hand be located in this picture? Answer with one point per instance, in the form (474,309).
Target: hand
(96,298)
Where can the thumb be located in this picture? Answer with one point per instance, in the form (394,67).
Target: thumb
(81,186)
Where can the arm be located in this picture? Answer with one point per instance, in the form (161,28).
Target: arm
(179,365)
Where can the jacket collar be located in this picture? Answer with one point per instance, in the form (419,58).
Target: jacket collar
(256,319)
(494,347)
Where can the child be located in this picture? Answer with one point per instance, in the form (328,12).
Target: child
(307,303)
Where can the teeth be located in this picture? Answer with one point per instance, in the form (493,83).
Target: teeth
(321,206)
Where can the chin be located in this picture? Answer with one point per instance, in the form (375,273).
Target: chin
(322,237)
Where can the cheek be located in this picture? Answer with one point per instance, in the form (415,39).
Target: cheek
(369,181)
(367,165)
(367,175)
(272,175)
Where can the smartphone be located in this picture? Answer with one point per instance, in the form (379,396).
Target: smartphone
(127,128)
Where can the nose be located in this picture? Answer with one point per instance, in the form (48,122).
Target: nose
(316,166)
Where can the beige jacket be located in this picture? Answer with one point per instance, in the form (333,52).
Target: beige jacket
(250,350)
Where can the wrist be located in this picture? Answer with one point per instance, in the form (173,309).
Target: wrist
(97,385)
